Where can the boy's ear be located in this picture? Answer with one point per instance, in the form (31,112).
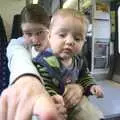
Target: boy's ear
(49,35)
(49,38)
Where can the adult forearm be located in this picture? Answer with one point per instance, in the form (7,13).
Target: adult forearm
(19,60)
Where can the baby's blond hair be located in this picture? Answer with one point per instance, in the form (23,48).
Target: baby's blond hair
(66,12)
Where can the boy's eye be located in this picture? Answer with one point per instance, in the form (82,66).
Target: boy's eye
(40,32)
(28,34)
(62,35)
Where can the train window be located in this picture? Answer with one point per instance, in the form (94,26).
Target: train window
(35,1)
(119,29)
(32,2)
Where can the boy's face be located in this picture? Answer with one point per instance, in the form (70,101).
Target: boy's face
(66,37)
(36,35)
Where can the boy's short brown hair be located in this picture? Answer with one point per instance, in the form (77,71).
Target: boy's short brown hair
(34,13)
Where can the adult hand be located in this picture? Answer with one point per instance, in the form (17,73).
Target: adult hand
(24,98)
(72,95)
(60,106)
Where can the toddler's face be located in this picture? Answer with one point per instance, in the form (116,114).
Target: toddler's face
(66,36)
(36,35)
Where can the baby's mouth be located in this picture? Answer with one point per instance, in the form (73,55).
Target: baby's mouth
(68,50)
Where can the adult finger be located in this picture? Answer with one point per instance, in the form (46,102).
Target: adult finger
(58,99)
(62,113)
(25,106)
(3,106)
(45,108)
(12,99)
(61,109)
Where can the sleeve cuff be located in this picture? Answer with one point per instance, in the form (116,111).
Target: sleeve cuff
(27,74)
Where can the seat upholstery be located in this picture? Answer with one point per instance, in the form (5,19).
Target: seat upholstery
(16,28)
(4,71)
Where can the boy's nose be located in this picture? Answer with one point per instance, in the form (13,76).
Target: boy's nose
(35,39)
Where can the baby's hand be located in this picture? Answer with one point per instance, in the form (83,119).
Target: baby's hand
(72,95)
(97,90)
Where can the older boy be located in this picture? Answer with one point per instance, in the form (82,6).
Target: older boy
(26,95)
(63,70)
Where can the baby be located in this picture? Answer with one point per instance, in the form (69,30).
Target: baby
(63,69)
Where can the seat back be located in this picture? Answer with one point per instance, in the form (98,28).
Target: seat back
(16,27)
(4,71)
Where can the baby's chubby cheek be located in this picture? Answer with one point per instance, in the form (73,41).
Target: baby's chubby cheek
(77,49)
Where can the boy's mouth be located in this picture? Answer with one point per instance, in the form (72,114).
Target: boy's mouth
(36,45)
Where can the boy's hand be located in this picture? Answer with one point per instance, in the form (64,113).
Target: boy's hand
(96,90)
(72,95)
(60,106)
(26,97)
